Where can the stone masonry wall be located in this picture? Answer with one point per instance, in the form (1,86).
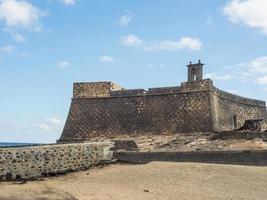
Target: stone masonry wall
(36,161)
(134,92)
(192,107)
(237,157)
(94,89)
(227,108)
(157,113)
(164,90)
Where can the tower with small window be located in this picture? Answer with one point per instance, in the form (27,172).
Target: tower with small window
(195,71)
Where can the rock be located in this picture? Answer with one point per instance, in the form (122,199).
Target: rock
(20,182)
(128,145)
(8,176)
(18,177)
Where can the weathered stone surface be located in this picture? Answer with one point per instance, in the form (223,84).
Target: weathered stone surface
(129,145)
(253,158)
(102,108)
(197,107)
(36,161)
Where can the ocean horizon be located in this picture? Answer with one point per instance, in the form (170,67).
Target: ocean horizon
(16,144)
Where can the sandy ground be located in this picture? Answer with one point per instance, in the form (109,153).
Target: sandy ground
(156,180)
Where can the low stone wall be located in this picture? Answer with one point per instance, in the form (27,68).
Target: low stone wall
(229,135)
(253,158)
(36,161)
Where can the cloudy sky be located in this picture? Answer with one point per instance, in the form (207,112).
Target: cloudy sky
(47,45)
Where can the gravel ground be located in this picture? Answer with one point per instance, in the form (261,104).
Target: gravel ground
(156,180)
(186,142)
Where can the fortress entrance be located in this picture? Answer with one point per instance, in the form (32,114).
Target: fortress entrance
(235,121)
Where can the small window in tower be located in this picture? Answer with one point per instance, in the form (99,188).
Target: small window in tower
(194,77)
(194,74)
(235,121)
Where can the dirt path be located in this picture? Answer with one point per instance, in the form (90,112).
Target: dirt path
(156,180)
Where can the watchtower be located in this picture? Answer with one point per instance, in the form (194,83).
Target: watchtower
(195,71)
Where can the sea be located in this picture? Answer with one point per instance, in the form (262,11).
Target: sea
(14,144)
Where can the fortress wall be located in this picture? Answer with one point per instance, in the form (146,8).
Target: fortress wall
(35,161)
(164,90)
(91,89)
(236,157)
(237,98)
(115,87)
(225,106)
(169,113)
(193,107)
(132,92)
(205,84)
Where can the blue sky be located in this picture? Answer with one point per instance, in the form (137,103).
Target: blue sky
(47,45)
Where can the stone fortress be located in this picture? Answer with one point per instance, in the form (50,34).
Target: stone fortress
(104,108)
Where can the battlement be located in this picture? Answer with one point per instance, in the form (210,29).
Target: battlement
(125,92)
(110,89)
(94,89)
(160,90)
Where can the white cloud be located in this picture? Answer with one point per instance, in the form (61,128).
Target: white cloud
(68,2)
(46,131)
(249,70)
(22,13)
(215,76)
(106,59)
(7,49)
(51,124)
(44,127)
(233,91)
(54,121)
(131,40)
(190,43)
(18,37)
(249,12)
(63,64)
(126,19)
(258,65)
(262,80)
(193,44)
(255,70)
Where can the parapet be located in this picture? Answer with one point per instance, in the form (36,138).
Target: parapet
(110,89)
(164,90)
(94,89)
(132,92)
(205,84)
